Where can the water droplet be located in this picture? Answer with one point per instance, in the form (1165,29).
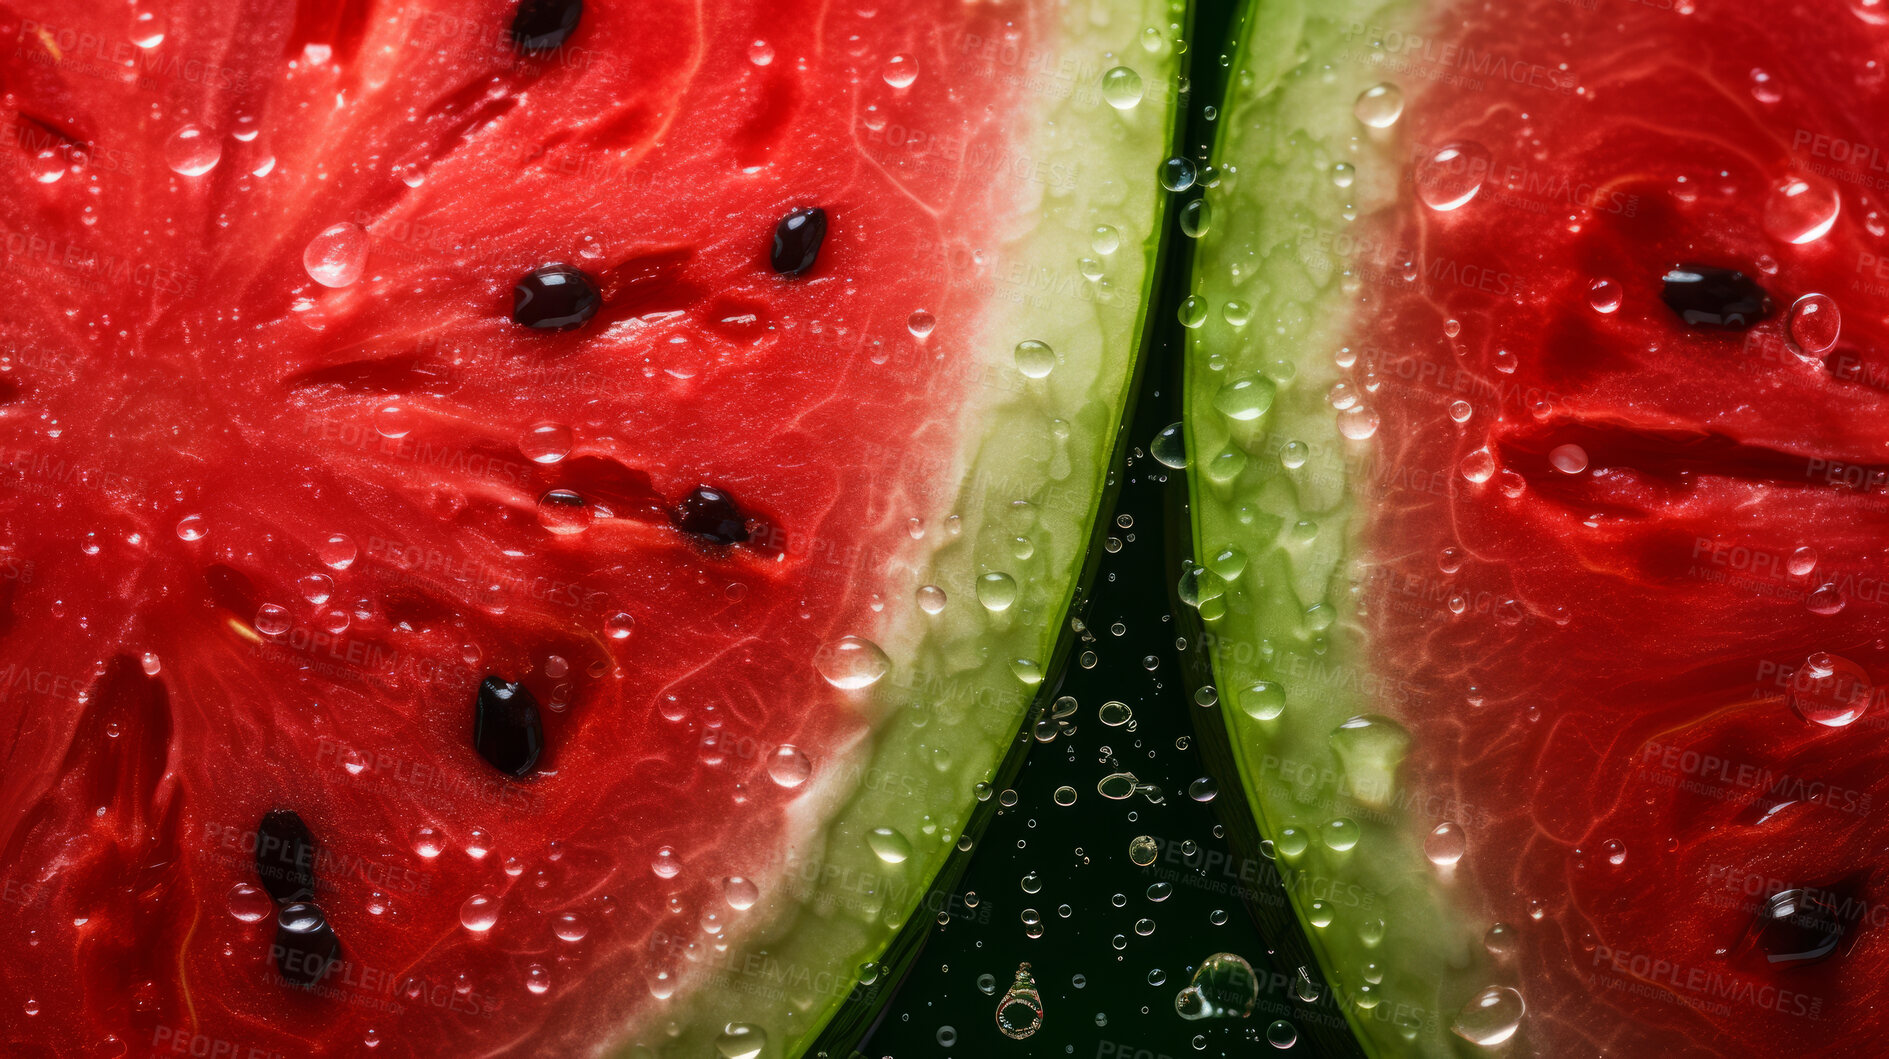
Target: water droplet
(1020,1010)
(1358,423)
(900,71)
(1122,88)
(931,599)
(250,904)
(192,527)
(888,845)
(1224,987)
(564,512)
(667,863)
(1826,599)
(1801,562)
(1104,239)
(1452,175)
(1262,700)
(1830,690)
(1490,1017)
(851,662)
(546,442)
(921,323)
(1192,311)
(1479,465)
(1244,398)
(1380,105)
(569,926)
(1177,174)
(740,893)
(337,256)
(1445,844)
(1035,359)
(1142,850)
(272,619)
(789,766)
(1605,296)
(1813,325)
(337,552)
(740,1040)
(1196,218)
(47,165)
(1117,786)
(1568,459)
(996,591)
(192,151)
(479,913)
(1801,209)
(1371,749)
(760,53)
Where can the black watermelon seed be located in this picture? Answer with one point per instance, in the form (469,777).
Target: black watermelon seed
(544,25)
(555,297)
(1798,926)
(1715,299)
(285,857)
(711,513)
(305,945)
(506,727)
(797,240)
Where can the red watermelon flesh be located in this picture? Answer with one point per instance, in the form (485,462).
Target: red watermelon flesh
(1665,530)
(264,537)
(1565,609)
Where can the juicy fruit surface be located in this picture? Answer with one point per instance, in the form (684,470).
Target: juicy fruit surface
(1604,557)
(289,483)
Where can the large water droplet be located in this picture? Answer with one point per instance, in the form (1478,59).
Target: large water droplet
(1490,1017)
(1801,209)
(478,913)
(789,766)
(337,256)
(740,893)
(1245,398)
(900,71)
(193,151)
(546,442)
(1450,176)
(1035,359)
(1830,690)
(1169,447)
(1445,844)
(741,1040)
(888,845)
(996,591)
(1122,88)
(249,903)
(564,512)
(1380,105)
(1224,987)
(1262,700)
(851,662)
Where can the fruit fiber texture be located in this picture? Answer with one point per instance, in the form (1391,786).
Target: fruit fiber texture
(1539,494)
(586,669)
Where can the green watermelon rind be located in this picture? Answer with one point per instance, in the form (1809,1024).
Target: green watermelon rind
(1288,613)
(952,712)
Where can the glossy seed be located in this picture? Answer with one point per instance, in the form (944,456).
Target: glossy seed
(1799,926)
(1715,299)
(555,297)
(544,25)
(711,514)
(797,240)
(305,945)
(285,857)
(506,727)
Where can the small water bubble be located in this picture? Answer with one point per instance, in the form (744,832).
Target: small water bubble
(667,863)
(1142,850)
(1826,599)
(996,591)
(192,151)
(889,845)
(760,53)
(1262,700)
(1380,105)
(1801,562)
(569,926)
(250,904)
(900,71)
(1104,239)
(337,255)
(1121,88)
(921,323)
(272,619)
(546,442)
(789,766)
(1801,208)
(1343,174)
(1065,796)
(740,893)
(1479,465)
(741,1040)
(338,552)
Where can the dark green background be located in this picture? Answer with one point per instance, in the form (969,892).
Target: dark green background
(1080,853)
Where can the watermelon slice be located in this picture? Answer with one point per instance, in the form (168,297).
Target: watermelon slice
(1537,472)
(525,522)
